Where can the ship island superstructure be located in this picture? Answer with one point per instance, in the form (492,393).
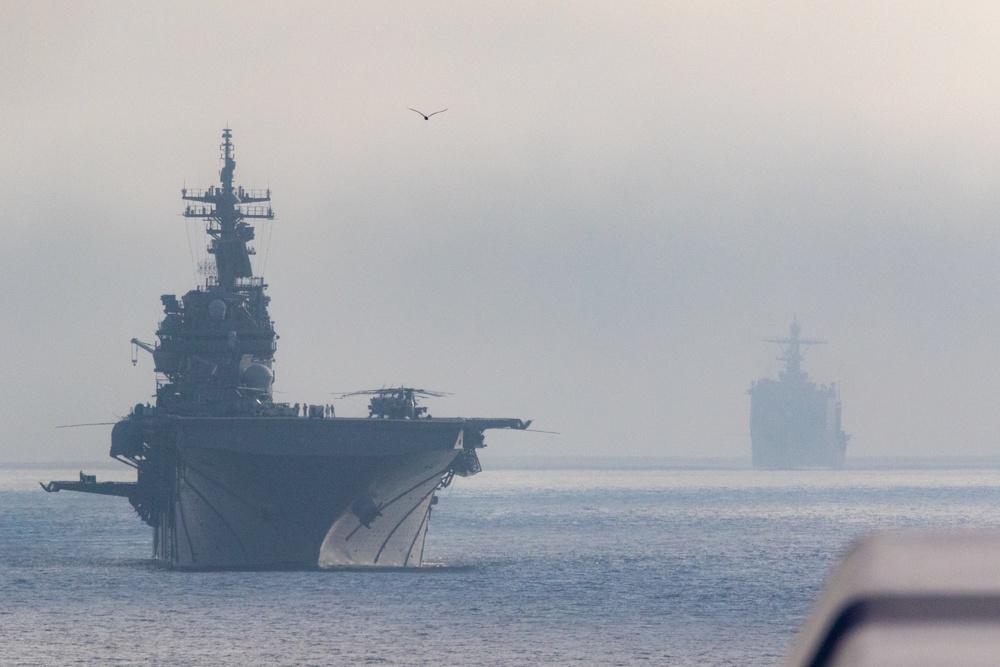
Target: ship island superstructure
(795,423)
(230,479)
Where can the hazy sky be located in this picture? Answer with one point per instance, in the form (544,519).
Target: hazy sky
(621,201)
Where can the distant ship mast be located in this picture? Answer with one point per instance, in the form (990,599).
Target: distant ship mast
(792,351)
(226,214)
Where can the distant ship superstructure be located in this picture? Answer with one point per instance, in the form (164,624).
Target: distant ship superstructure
(230,479)
(795,423)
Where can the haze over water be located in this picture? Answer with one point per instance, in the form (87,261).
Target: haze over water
(679,567)
(621,201)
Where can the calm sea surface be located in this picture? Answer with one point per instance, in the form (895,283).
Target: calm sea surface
(551,567)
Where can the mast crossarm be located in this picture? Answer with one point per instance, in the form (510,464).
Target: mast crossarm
(267,214)
(800,341)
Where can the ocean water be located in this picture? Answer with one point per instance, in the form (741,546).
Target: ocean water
(556,567)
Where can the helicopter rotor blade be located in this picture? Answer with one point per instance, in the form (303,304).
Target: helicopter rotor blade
(388,391)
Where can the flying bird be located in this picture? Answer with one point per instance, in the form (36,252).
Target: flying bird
(426,116)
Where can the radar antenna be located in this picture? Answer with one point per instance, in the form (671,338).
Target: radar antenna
(226,210)
(792,350)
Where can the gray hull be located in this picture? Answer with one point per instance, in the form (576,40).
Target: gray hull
(795,426)
(230,479)
(258,493)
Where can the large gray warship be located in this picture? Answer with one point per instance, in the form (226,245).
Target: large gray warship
(795,423)
(230,479)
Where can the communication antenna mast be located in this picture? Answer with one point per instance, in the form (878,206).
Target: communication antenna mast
(793,349)
(225,210)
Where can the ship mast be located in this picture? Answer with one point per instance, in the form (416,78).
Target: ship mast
(226,214)
(792,351)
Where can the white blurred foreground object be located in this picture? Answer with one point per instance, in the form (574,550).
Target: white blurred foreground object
(910,599)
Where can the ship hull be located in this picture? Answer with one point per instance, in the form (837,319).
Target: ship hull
(795,426)
(230,479)
(287,493)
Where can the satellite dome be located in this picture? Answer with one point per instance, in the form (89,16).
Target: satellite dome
(258,376)
(217,309)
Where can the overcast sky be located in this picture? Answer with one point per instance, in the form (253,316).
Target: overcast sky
(621,202)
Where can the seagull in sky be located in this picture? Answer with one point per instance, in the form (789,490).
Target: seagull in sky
(426,116)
